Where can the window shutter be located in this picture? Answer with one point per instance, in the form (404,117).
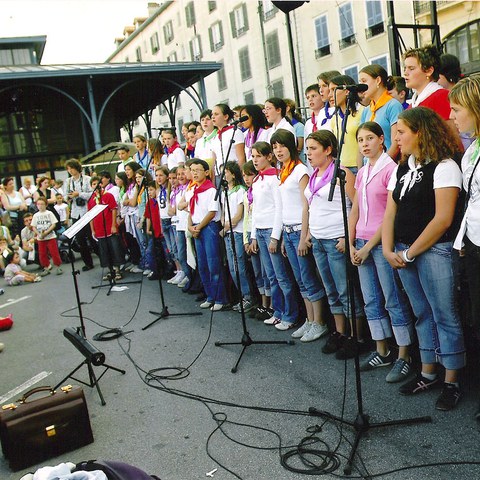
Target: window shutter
(233,25)
(245,17)
(210,36)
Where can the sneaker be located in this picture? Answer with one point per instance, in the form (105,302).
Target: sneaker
(170,280)
(147,272)
(183,282)
(315,332)
(271,321)
(264,313)
(129,267)
(247,305)
(37,279)
(107,277)
(418,385)
(219,307)
(206,304)
(302,330)
(449,397)
(2,346)
(136,269)
(178,278)
(59,271)
(285,325)
(236,307)
(153,276)
(254,312)
(44,272)
(348,349)
(118,276)
(334,342)
(375,360)
(50,267)
(399,371)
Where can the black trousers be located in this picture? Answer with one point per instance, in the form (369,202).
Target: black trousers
(86,244)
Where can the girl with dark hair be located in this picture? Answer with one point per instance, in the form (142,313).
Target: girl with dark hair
(325,224)
(254,127)
(236,190)
(297,123)
(350,156)
(293,181)
(383,108)
(275,111)
(425,187)
(221,115)
(386,306)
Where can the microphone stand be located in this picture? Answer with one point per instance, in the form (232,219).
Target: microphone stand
(246,340)
(164,313)
(361,424)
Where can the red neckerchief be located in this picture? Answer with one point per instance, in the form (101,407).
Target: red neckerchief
(197,190)
(267,172)
(224,129)
(314,123)
(173,147)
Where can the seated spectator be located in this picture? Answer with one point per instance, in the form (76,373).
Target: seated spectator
(14,275)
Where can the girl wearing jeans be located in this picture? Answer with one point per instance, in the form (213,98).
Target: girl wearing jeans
(386,306)
(417,241)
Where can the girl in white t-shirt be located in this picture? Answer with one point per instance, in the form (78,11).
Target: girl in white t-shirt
(293,181)
(232,209)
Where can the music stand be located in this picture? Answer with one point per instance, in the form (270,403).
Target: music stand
(78,337)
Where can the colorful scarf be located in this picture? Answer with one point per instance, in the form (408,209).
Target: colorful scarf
(315,185)
(314,123)
(266,173)
(375,106)
(327,116)
(207,184)
(287,169)
(173,147)
(224,129)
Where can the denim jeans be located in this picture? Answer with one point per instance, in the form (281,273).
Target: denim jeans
(261,279)
(333,271)
(209,262)
(141,237)
(150,254)
(281,285)
(428,282)
(386,305)
(170,237)
(304,268)
(241,259)
(182,253)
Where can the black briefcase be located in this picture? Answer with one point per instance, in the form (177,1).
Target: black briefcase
(34,430)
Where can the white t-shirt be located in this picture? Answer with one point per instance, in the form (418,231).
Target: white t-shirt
(283,124)
(62,211)
(235,199)
(42,221)
(265,211)
(206,203)
(220,147)
(113,190)
(203,148)
(182,215)
(175,158)
(28,191)
(472,216)
(291,205)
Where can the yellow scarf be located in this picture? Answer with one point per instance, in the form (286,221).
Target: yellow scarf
(383,100)
(287,169)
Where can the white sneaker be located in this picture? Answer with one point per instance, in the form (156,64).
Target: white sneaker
(206,304)
(284,325)
(136,269)
(271,321)
(1,346)
(314,333)
(178,278)
(147,272)
(174,277)
(184,282)
(302,330)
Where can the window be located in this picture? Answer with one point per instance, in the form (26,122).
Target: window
(127,59)
(168,32)
(196,49)
(375,24)
(321,34)
(245,70)
(273,50)
(382,61)
(215,32)
(221,79)
(154,43)
(269,10)
(190,14)
(277,88)
(249,98)
(212,5)
(162,110)
(347,34)
(352,72)
(239,20)
(138,54)
(172,57)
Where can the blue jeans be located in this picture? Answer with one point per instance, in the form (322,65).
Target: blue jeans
(170,237)
(304,268)
(210,264)
(150,254)
(182,253)
(333,271)
(142,243)
(281,285)
(386,305)
(242,265)
(261,279)
(428,282)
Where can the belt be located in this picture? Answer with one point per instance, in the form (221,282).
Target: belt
(292,228)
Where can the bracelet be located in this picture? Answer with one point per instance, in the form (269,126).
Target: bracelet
(405,256)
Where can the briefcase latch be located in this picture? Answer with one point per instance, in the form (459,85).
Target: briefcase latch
(9,406)
(50,431)
(66,388)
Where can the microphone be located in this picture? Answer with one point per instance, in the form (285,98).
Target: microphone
(240,120)
(360,87)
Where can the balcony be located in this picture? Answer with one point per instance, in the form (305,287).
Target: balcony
(422,8)
(322,52)
(375,30)
(347,41)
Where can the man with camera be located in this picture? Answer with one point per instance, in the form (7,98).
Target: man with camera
(78,192)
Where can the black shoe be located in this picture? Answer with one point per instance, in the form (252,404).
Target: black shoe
(264,313)
(334,343)
(418,385)
(153,276)
(348,349)
(449,397)
(86,268)
(202,297)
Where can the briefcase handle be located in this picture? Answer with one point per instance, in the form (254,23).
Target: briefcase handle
(36,390)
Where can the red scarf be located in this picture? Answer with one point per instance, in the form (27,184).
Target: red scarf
(197,191)
(314,123)
(267,172)
(173,147)
(224,129)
